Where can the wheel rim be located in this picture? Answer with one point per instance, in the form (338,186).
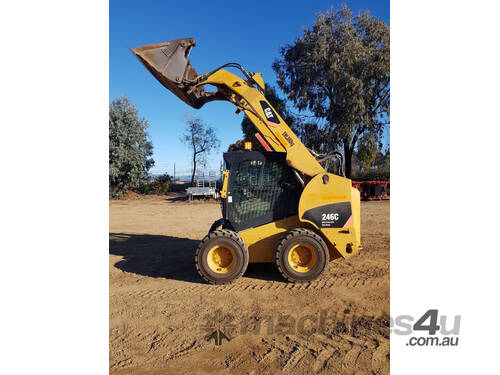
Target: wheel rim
(221,259)
(302,257)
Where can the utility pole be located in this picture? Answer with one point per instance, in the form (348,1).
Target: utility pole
(174,172)
(220,171)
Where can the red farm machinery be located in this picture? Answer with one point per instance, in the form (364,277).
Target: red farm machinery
(373,190)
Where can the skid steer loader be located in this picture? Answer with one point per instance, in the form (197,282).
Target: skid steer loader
(278,206)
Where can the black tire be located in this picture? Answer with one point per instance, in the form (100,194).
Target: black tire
(224,239)
(313,243)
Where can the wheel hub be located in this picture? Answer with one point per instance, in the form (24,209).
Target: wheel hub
(302,258)
(221,259)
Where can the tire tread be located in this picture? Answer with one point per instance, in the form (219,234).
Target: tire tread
(221,233)
(285,238)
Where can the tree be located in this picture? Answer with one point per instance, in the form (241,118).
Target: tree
(339,71)
(159,185)
(201,139)
(382,162)
(379,169)
(130,148)
(238,146)
(367,150)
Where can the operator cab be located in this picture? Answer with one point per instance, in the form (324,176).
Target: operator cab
(262,188)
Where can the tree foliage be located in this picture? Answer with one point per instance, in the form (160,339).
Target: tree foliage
(130,148)
(159,185)
(367,150)
(201,140)
(379,169)
(382,163)
(238,146)
(339,71)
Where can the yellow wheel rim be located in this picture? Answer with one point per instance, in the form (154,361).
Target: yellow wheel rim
(221,259)
(302,257)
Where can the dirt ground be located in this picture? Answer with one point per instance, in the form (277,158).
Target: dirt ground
(165,320)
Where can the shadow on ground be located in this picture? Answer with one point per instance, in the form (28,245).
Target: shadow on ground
(155,255)
(263,271)
(169,257)
(176,198)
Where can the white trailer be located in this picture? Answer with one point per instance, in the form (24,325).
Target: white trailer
(203,189)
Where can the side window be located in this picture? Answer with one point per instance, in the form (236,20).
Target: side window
(272,174)
(262,192)
(249,173)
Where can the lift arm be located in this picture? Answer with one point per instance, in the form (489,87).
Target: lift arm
(169,63)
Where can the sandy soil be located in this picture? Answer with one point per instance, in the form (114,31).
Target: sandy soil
(161,312)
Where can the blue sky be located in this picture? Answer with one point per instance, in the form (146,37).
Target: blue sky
(249,33)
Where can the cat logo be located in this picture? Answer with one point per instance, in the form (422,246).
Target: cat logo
(268,112)
(271,116)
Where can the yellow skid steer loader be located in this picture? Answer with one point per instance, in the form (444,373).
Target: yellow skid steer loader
(278,206)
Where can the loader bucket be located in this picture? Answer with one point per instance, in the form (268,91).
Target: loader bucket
(169,63)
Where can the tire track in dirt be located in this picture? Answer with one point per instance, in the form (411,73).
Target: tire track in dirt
(321,361)
(122,363)
(349,360)
(369,277)
(380,358)
(182,350)
(296,354)
(368,351)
